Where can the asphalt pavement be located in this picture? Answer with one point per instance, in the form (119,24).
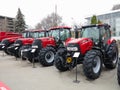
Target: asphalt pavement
(20,75)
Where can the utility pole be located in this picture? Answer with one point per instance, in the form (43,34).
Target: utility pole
(55,15)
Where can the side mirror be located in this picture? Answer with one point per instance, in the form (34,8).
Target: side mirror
(77,32)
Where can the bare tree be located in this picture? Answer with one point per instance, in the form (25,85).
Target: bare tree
(38,26)
(116,7)
(50,21)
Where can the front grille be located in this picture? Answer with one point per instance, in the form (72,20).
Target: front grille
(5,41)
(38,43)
(74,45)
(18,42)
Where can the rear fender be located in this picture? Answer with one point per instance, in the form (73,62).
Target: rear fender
(110,41)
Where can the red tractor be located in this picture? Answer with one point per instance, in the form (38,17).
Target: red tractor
(44,49)
(25,42)
(6,42)
(95,47)
(4,35)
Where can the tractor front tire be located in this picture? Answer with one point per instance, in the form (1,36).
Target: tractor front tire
(60,60)
(118,73)
(20,52)
(92,64)
(5,50)
(46,56)
(113,56)
(59,64)
(7,45)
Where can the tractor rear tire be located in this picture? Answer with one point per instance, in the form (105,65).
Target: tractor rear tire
(113,56)
(46,56)
(118,73)
(92,64)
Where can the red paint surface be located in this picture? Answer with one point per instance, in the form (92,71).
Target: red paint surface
(3,86)
(85,44)
(110,41)
(48,41)
(8,35)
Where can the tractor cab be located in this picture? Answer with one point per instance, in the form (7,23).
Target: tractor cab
(61,34)
(34,33)
(26,34)
(99,34)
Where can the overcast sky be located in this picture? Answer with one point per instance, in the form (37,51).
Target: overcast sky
(72,11)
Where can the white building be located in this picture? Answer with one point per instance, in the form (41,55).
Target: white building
(112,18)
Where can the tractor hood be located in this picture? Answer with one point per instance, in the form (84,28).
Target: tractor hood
(83,44)
(12,39)
(78,40)
(46,38)
(47,41)
(26,41)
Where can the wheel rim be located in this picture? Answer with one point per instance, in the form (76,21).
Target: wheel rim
(49,57)
(96,64)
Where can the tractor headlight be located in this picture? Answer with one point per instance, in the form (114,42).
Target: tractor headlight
(17,44)
(34,46)
(72,48)
(25,50)
(2,44)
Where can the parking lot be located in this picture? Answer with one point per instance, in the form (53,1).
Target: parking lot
(20,75)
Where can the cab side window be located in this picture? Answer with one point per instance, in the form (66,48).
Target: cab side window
(105,33)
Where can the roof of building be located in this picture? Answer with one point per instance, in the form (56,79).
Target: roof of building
(105,13)
(6,17)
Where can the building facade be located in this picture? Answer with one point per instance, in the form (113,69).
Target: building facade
(112,18)
(7,23)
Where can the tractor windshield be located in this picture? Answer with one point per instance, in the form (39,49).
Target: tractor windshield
(34,34)
(41,34)
(38,34)
(61,34)
(25,34)
(64,34)
(90,32)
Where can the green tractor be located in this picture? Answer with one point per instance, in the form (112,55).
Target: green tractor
(95,46)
